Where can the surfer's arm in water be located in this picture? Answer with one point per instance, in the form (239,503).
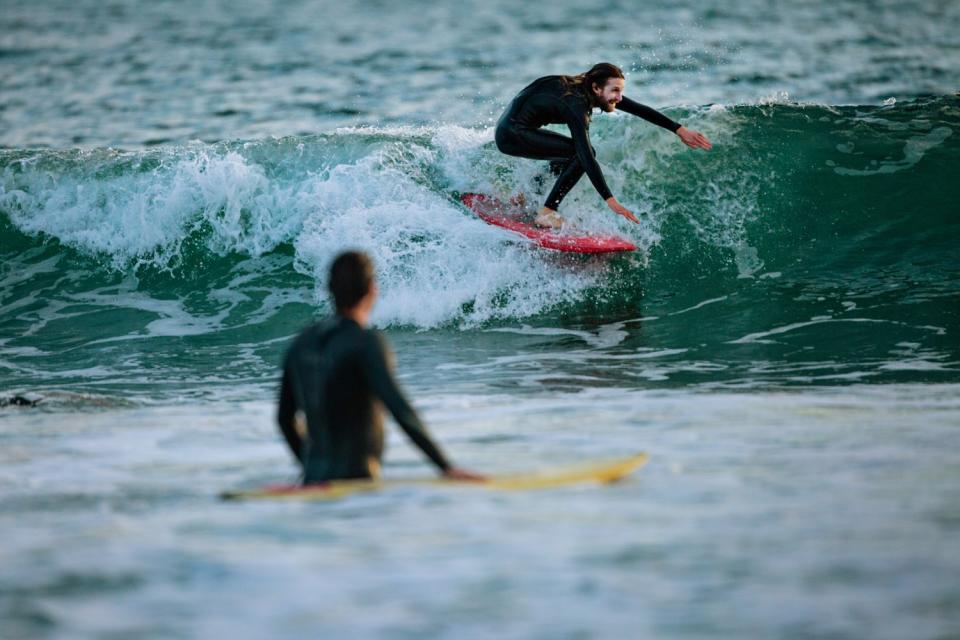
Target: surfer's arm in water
(577,123)
(693,139)
(385,388)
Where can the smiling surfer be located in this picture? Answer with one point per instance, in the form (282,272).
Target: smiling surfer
(336,374)
(570,100)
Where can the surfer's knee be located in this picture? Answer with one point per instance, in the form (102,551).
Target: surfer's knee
(502,138)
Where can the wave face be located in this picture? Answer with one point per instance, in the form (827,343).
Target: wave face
(830,221)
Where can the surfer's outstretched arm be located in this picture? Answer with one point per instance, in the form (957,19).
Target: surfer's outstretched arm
(385,387)
(693,139)
(577,123)
(649,114)
(578,131)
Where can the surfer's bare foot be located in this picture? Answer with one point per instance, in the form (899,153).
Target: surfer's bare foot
(548,218)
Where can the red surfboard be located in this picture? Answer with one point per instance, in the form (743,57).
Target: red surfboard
(514,218)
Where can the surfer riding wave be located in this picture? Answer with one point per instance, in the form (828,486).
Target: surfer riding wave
(570,100)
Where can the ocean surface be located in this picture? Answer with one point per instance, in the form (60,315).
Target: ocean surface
(785,344)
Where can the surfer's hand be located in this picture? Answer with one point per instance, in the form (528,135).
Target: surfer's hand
(621,210)
(694,139)
(455,473)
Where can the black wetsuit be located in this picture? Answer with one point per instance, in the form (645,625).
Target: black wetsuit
(334,372)
(548,100)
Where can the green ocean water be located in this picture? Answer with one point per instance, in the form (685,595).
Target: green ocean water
(804,250)
(174,182)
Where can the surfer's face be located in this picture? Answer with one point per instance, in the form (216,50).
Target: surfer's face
(610,95)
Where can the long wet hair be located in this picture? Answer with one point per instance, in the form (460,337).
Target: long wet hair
(598,74)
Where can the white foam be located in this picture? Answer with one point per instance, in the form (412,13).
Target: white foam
(389,192)
(436,264)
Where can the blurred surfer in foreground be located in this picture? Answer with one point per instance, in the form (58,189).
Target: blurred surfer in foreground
(570,100)
(335,375)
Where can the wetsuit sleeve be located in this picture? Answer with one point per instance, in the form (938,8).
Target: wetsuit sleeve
(577,122)
(385,388)
(285,415)
(647,113)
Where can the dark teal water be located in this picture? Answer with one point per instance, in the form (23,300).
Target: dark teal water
(174,181)
(806,248)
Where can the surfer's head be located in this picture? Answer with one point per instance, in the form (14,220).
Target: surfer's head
(603,84)
(351,280)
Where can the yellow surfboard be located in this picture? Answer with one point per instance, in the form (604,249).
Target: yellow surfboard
(599,472)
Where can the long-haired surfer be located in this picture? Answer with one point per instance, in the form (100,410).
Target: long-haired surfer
(570,100)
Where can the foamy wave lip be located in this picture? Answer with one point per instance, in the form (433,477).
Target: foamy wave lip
(125,216)
(390,192)
(436,264)
(143,217)
(777,97)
